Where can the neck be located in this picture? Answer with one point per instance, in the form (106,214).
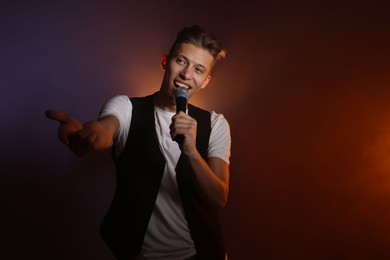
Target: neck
(164,103)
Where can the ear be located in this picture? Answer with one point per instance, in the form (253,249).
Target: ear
(164,59)
(205,82)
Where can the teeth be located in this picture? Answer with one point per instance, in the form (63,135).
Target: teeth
(181,85)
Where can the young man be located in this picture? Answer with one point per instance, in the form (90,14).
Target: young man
(168,193)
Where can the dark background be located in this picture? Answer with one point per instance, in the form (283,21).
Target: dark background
(305,87)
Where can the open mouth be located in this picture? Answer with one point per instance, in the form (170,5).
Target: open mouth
(180,84)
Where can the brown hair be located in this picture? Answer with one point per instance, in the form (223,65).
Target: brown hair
(197,36)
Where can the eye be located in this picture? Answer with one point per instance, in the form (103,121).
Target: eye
(199,70)
(180,61)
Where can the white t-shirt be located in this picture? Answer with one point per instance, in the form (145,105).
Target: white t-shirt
(167,235)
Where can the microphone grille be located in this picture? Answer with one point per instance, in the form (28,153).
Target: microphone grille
(182,92)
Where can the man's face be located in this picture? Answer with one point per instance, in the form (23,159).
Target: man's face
(190,67)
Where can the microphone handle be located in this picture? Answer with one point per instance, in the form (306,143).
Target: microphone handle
(181,105)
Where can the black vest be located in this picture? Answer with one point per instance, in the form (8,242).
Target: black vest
(139,169)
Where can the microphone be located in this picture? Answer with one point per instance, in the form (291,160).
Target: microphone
(181,99)
(181,105)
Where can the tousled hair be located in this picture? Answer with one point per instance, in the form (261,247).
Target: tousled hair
(197,36)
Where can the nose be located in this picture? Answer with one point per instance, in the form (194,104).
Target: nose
(186,73)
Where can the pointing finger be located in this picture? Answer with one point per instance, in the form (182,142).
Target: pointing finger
(58,116)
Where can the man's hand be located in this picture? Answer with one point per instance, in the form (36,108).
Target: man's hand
(183,124)
(68,124)
(91,136)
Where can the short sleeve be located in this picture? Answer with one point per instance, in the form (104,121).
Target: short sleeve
(220,139)
(119,106)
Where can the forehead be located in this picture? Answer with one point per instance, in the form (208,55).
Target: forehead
(195,54)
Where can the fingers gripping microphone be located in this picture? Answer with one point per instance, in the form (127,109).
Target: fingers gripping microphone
(181,105)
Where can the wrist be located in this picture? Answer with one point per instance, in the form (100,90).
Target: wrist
(193,155)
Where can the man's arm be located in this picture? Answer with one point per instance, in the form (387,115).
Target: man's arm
(211,177)
(91,136)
